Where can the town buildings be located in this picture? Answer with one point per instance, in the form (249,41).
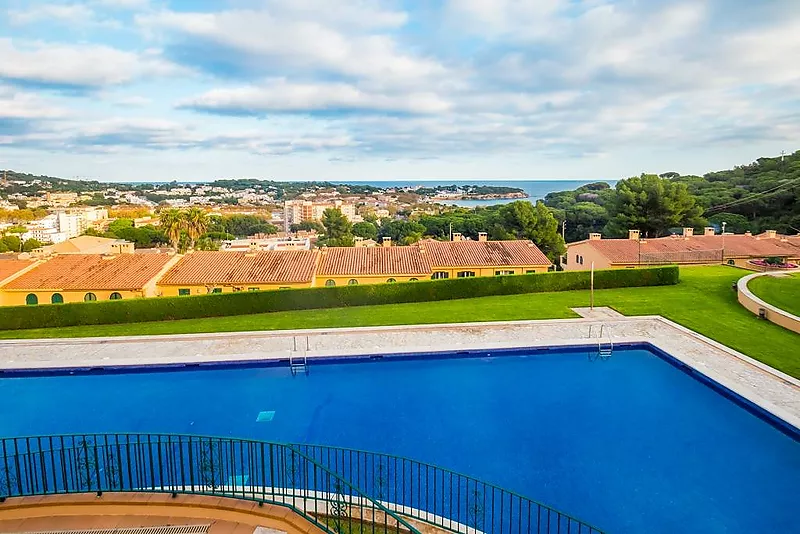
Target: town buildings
(297,211)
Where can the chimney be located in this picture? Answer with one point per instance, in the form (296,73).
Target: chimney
(387,241)
(482,236)
(359,241)
(457,236)
(748,233)
(595,236)
(771,234)
(709,230)
(688,232)
(633,234)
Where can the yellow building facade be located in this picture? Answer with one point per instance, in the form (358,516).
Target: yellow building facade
(89,278)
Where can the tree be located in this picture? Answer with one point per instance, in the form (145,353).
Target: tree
(12,242)
(93,232)
(30,244)
(521,220)
(367,230)
(738,224)
(173,223)
(196,223)
(652,205)
(307,226)
(335,223)
(402,232)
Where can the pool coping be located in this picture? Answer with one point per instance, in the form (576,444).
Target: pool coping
(765,387)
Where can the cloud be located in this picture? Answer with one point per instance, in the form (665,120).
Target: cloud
(76,66)
(70,13)
(280,96)
(291,41)
(15,104)
(123,134)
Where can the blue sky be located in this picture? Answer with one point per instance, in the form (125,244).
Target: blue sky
(371,90)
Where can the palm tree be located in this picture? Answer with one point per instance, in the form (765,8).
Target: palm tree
(196,223)
(173,222)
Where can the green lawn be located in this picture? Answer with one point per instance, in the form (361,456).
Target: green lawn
(783,292)
(703,301)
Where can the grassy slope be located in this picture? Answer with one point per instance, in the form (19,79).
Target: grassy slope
(703,301)
(781,292)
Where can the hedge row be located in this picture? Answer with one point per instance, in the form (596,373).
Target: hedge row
(242,303)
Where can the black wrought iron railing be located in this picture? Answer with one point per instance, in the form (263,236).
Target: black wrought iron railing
(339,490)
(442,497)
(252,470)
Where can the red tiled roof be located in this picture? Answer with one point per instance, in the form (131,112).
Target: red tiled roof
(10,267)
(344,261)
(92,271)
(483,253)
(738,245)
(226,267)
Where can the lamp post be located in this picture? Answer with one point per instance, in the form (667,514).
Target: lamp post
(723,241)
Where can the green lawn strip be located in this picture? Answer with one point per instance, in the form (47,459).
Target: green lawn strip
(702,301)
(782,292)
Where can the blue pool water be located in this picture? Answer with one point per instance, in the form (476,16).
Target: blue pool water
(631,444)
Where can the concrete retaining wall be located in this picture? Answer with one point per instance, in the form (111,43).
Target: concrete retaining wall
(760,307)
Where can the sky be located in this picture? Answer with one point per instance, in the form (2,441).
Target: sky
(152,90)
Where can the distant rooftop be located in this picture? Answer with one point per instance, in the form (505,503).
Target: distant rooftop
(92,271)
(226,267)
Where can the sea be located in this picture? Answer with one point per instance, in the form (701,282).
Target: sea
(536,189)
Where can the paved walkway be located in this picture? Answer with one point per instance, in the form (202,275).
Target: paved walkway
(598,312)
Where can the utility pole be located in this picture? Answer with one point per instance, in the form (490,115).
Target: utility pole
(451,231)
(564,230)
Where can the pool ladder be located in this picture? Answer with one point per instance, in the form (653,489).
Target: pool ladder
(298,360)
(605,346)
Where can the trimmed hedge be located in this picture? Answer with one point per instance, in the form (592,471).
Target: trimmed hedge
(247,302)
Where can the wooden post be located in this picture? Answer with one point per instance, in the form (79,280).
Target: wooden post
(591,290)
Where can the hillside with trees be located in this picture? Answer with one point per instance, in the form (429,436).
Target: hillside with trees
(764,195)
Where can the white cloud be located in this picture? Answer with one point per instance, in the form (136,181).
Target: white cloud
(15,104)
(282,96)
(260,41)
(77,65)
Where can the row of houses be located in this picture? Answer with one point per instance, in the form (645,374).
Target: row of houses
(687,248)
(76,277)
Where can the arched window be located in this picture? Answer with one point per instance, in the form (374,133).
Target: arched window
(413,279)
(352,282)
(731,262)
(440,275)
(330,283)
(115,296)
(56,298)
(391,281)
(89,297)
(31,300)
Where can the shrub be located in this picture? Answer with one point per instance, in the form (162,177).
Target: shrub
(224,304)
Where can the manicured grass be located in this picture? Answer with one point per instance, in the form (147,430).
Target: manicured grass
(702,301)
(783,292)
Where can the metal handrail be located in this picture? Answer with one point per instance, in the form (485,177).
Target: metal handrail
(259,471)
(442,497)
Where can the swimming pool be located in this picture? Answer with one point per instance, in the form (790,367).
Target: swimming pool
(631,444)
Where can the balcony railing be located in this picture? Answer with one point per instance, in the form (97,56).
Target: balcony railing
(338,490)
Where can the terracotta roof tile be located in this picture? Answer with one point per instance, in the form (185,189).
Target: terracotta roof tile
(226,267)
(402,260)
(11,267)
(738,245)
(91,271)
(483,253)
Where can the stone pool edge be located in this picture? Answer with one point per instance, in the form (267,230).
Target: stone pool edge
(763,386)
